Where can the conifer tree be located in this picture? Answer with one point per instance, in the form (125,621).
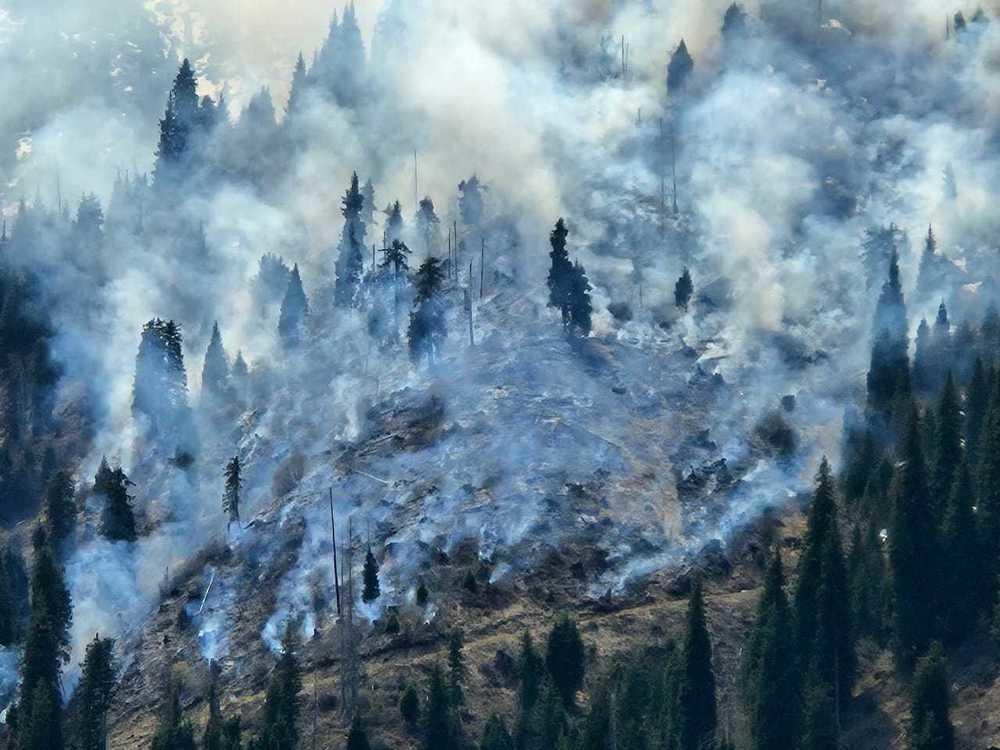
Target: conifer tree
(923,377)
(947,453)
(683,290)
(696,706)
(734,23)
(300,82)
(867,581)
(977,401)
(580,307)
(771,671)
(409,707)
(60,510)
(351,253)
(394,222)
(371,589)
(988,478)
(97,685)
(173,732)
(294,311)
(49,592)
(439,726)
(159,392)
(215,373)
(470,201)
(368,205)
(566,660)
(117,517)
(428,226)
(456,669)
(241,375)
(819,729)
(496,736)
(912,553)
(822,604)
(930,720)
(531,671)
(428,328)
(8,621)
(963,588)
(679,70)
(231,498)
(395,257)
(281,703)
(888,374)
(357,737)
(561,272)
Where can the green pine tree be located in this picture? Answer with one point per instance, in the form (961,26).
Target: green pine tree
(913,552)
(440,732)
(357,737)
(409,707)
(963,588)
(93,696)
(696,702)
(456,669)
(173,732)
(565,659)
(771,670)
(117,517)
(60,510)
(930,721)
(371,590)
(281,703)
(496,736)
(294,311)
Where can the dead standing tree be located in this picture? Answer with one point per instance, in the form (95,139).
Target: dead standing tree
(349,664)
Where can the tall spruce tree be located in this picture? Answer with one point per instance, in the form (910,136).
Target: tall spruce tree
(294,311)
(679,69)
(977,401)
(822,604)
(440,732)
(281,703)
(947,451)
(580,307)
(456,669)
(913,553)
(683,290)
(930,720)
(351,253)
(428,226)
(867,581)
(988,480)
(771,676)
(94,694)
(697,712)
(117,516)
(371,589)
(60,510)
(357,736)
(889,374)
(173,732)
(496,736)
(964,588)
(560,279)
(215,372)
(530,673)
(565,659)
(428,327)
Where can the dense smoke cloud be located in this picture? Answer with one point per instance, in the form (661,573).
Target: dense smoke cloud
(780,172)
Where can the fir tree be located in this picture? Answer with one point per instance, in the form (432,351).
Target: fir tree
(395,257)
(394,222)
(368,205)
(409,707)
(439,725)
(159,392)
(428,328)
(947,452)
(117,517)
(930,721)
(300,82)
(696,706)
(294,311)
(422,594)
(734,23)
(215,373)
(683,290)
(357,737)
(371,590)
(231,498)
(923,368)
(867,581)
(988,478)
(977,400)
(496,736)
(8,619)
(560,279)
(173,732)
(822,603)
(531,671)
(819,729)
(240,376)
(49,592)
(428,226)
(456,669)
(580,307)
(963,587)
(97,685)
(566,660)
(771,671)
(60,510)
(470,201)
(351,254)
(912,553)
(679,69)
(281,703)
(889,371)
